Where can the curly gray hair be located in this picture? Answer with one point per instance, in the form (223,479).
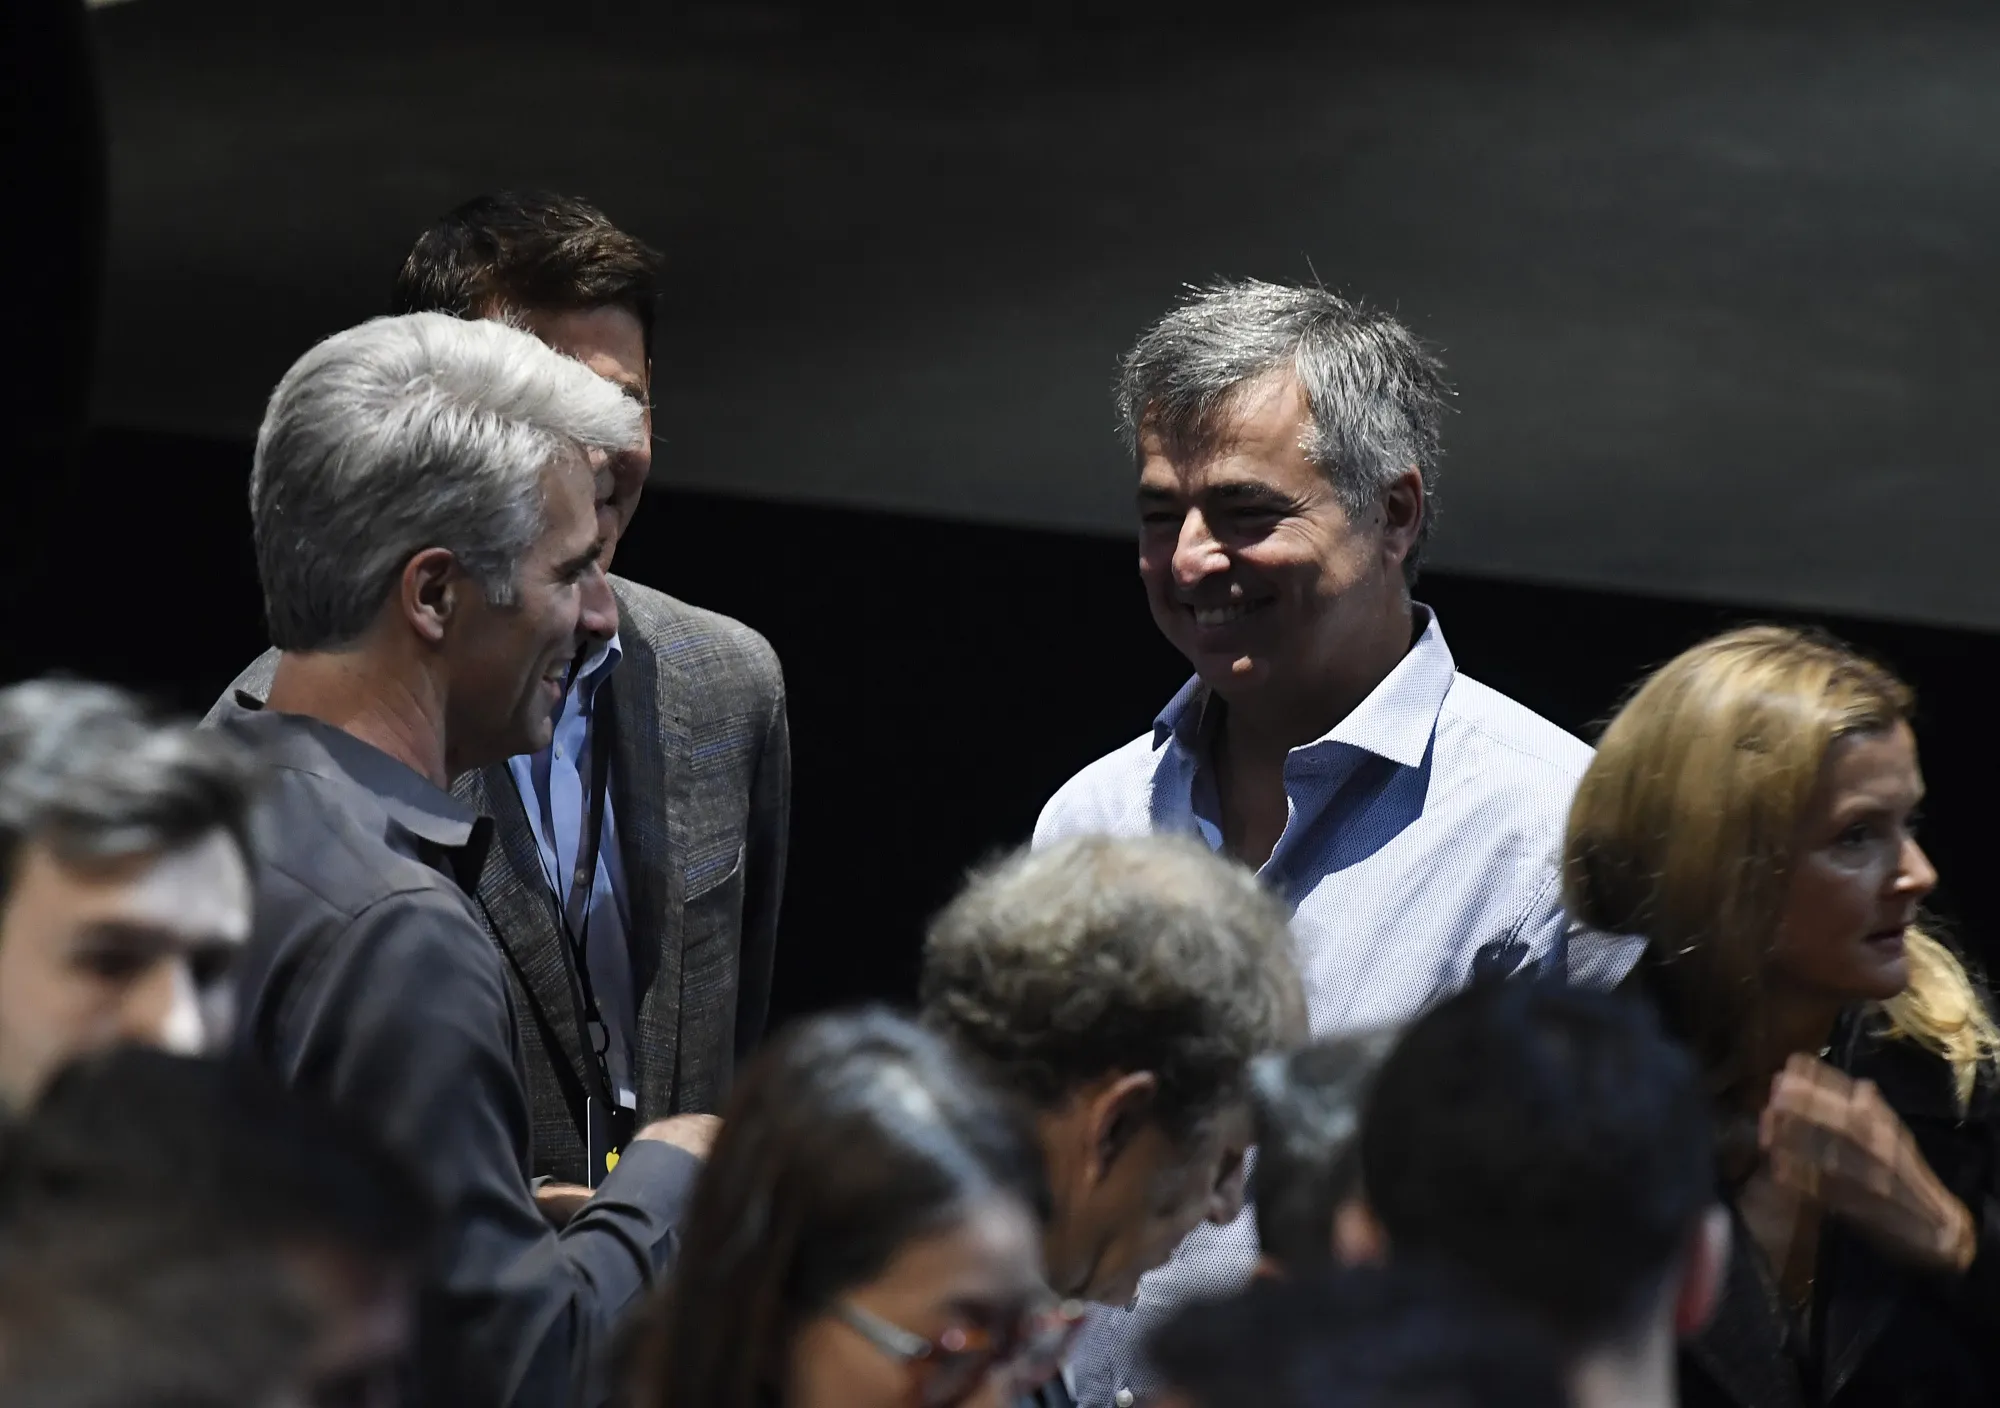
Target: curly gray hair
(1100,955)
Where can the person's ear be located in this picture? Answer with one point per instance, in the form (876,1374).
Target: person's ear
(1702,1277)
(430,591)
(1403,510)
(1118,1112)
(1358,1239)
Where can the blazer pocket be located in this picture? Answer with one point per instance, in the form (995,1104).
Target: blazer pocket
(703,880)
(712,924)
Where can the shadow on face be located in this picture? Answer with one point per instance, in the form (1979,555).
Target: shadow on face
(1125,1206)
(510,664)
(130,950)
(612,343)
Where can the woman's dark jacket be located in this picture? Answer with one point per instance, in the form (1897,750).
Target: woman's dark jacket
(1882,1334)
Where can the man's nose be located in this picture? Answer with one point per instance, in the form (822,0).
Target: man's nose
(1197,554)
(597,616)
(164,1010)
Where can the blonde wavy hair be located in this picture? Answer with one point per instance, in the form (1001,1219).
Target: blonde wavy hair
(1683,827)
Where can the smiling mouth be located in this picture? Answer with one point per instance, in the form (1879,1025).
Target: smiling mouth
(1208,616)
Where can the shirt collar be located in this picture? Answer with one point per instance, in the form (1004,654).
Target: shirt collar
(1395,721)
(598,665)
(412,801)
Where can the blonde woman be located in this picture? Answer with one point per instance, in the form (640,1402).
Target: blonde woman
(1750,812)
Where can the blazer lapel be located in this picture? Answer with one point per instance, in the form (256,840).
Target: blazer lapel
(515,896)
(650,777)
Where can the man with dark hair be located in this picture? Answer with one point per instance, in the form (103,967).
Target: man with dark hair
(1555,1147)
(1122,988)
(425,499)
(557,266)
(124,879)
(1365,1338)
(138,1162)
(81,1329)
(1308,1121)
(1285,444)
(645,973)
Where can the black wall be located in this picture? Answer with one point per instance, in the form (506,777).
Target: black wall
(944,678)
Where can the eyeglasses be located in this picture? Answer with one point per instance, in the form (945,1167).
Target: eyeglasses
(950,1369)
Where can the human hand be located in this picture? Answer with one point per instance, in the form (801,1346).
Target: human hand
(1836,1141)
(694,1133)
(559,1202)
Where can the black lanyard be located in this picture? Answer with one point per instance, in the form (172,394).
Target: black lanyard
(607,1124)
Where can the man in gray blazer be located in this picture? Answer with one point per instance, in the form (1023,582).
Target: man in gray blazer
(644,975)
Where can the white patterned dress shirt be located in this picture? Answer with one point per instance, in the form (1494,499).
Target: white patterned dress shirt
(1422,848)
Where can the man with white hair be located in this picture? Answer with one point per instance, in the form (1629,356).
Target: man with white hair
(425,501)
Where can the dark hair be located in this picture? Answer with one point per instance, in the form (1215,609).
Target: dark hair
(1101,954)
(1368,1337)
(531,249)
(192,1154)
(86,772)
(1550,1141)
(847,1138)
(83,1327)
(1377,395)
(1308,1109)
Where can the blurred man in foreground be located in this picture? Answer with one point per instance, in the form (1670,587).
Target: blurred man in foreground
(1371,1337)
(124,879)
(142,1182)
(1308,1106)
(1554,1147)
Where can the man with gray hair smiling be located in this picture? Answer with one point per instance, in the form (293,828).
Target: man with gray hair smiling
(425,497)
(1286,448)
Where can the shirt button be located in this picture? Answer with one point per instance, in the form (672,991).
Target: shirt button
(559,751)
(581,875)
(1123,1398)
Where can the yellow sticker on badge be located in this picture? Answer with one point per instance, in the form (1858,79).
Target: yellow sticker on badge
(611,1161)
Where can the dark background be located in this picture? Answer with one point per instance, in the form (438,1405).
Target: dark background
(1715,281)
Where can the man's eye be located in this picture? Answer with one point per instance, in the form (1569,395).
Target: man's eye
(113,965)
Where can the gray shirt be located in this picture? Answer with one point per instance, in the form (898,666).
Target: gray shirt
(371,983)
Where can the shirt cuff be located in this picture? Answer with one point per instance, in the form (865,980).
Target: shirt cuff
(628,1233)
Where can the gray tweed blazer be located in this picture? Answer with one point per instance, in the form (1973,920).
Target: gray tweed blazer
(701,780)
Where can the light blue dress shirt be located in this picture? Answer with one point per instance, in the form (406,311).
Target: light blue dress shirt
(555,789)
(1422,847)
